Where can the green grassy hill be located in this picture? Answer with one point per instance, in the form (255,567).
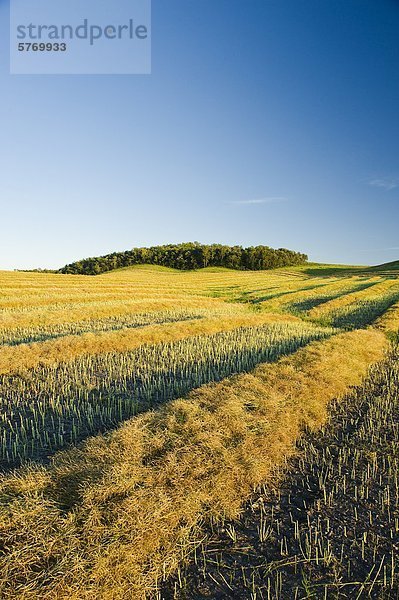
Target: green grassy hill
(312,269)
(144,267)
(390,266)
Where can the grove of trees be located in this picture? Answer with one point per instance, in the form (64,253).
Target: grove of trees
(190,255)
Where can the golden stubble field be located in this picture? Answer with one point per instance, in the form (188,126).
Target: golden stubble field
(141,405)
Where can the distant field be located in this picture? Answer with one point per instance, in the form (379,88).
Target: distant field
(142,405)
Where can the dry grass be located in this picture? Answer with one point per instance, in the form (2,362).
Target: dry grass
(110,519)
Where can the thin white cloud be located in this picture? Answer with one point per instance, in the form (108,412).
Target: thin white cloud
(267,200)
(386,183)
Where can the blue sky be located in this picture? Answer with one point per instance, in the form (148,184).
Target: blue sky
(263,122)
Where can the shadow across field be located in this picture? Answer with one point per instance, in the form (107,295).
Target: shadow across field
(245,297)
(303,306)
(363,313)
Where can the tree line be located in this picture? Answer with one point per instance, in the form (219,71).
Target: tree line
(191,255)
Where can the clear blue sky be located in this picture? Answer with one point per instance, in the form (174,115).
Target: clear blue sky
(264,122)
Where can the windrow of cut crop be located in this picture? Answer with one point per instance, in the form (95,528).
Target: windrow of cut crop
(274,292)
(300,304)
(389,322)
(112,518)
(329,529)
(47,408)
(357,309)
